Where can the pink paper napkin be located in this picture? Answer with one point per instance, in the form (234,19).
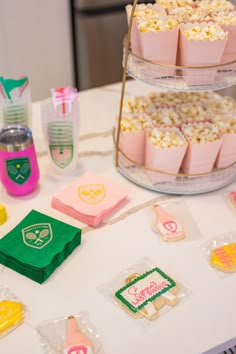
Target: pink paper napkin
(90,199)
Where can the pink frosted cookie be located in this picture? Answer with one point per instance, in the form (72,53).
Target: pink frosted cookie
(169,228)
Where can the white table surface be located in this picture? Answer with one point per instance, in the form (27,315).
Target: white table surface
(206,320)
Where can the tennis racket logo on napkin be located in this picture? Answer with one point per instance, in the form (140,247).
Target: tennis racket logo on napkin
(37,235)
(92,193)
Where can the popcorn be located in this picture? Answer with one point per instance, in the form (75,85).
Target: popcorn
(201,133)
(192,112)
(225,18)
(222,105)
(181,14)
(166,138)
(175,3)
(135,123)
(156,25)
(137,105)
(215,5)
(227,126)
(143,11)
(166,116)
(209,31)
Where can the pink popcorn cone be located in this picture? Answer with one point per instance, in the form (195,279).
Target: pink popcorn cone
(227,153)
(166,160)
(134,36)
(160,47)
(229,54)
(132,144)
(200,158)
(135,40)
(200,53)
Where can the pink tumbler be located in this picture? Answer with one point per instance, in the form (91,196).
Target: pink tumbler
(19,171)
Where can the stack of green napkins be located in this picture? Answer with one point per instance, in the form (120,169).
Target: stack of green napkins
(38,245)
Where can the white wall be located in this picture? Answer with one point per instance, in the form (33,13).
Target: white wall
(35,40)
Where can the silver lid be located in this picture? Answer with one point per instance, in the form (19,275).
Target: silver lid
(15,138)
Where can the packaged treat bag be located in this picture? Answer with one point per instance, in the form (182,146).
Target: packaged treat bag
(201,44)
(165,149)
(159,42)
(90,199)
(145,291)
(12,311)
(70,335)
(43,243)
(204,142)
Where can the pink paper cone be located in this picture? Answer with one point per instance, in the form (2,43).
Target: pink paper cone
(160,47)
(167,160)
(227,153)
(200,158)
(135,40)
(132,144)
(230,48)
(200,53)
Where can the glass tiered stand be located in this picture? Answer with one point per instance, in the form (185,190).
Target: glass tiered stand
(151,73)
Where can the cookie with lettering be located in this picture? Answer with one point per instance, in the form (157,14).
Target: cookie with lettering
(224,258)
(144,295)
(169,228)
(11,315)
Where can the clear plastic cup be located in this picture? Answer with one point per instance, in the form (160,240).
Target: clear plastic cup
(61,132)
(15,102)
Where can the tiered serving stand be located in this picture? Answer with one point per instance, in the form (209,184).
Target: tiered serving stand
(150,72)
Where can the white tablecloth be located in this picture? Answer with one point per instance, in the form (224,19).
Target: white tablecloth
(204,321)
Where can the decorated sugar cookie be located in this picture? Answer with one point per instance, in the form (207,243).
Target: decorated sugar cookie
(169,228)
(232,196)
(224,258)
(144,295)
(11,314)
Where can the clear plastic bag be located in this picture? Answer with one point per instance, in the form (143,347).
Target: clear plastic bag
(12,311)
(55,336)
(220,253)
(172,221)
(145,291)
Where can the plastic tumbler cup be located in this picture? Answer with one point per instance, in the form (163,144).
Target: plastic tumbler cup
(61,132)
(19,171)
(15,102)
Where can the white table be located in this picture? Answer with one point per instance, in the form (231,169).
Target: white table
(206,320)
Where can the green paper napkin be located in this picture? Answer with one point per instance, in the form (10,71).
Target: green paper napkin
(38,245)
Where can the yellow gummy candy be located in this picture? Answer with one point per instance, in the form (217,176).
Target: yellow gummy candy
(11,314)
(224,258)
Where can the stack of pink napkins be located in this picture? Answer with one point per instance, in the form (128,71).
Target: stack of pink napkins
(90,199)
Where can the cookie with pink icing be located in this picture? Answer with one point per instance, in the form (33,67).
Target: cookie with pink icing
(169,228)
